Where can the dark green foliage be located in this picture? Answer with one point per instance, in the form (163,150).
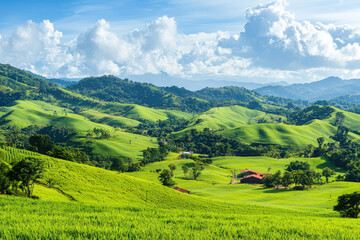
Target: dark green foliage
(113,89)
(212,144)
(327,172)
(41,143)
(196,171)
(339,119)
(58,134)
(341,136)
(306,178)
(353,173)
(165,178)
(268,181)
(287,179)
(155,154)
(5,183)
(26,172)
(118,164)
(298,165)
(348,205)
(172,167)
(310,113)
(161,128)
(185,170)
(254,105)
(101,133)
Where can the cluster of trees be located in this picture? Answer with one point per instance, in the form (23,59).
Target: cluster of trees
(165,176)
(193,171)
(118,164)
(19,178)
(297,173)
(113,89)
(307,114)
(210,143)
(161,128)
(99,133)
(155,154)
(348,205)
(43,144)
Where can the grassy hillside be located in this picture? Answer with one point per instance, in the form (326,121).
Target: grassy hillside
(214,183)
(141,113)
(23,218)
(96,203)
(119,144)
(25,113)
(286,135)
(108,119)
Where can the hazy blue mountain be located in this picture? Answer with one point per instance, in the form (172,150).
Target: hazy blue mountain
(164,80)
(326,89)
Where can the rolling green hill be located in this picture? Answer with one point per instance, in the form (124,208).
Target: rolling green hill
(285,135)
(25,113)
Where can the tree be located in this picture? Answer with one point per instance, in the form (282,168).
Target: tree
(172,167)
(298,165)
(348,205)
(165,178)
(196,171)
(268,181)
(41,143)
(5,182)
(339,119)
(287,179)
(254,105)
(277,178)
(327,172)
(185,170)
(26,172)
(118,164)
(320,141)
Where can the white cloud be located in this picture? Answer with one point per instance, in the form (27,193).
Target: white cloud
(273,45)
(273,38)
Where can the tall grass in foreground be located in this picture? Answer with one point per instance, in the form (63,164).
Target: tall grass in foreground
(34,219)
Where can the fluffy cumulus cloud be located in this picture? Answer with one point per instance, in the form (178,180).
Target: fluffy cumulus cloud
(273,45)
(273,38)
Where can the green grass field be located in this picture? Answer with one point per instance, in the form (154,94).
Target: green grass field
(110,205)
(141,113)
(285,135)
(120,143)
(214,183)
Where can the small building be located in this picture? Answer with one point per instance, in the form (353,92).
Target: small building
(251,176)
(252,179)
(249,172)
(181,190)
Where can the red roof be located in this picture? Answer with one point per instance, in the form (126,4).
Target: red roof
(250,171)
(181,190)
(249,176)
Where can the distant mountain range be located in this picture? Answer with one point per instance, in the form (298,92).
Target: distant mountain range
(164,80)
(327,89)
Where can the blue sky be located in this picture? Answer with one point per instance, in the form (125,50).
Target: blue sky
(207,38)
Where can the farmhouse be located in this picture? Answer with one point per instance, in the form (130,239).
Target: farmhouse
(251,176)
(181,190)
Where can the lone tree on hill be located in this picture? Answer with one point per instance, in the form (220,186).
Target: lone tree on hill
(172,168)
(26,172)
(327,172)
(196,171)
(348,205)
(185,170)
(165,178)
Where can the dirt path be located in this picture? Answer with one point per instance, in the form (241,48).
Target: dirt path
(235,178)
